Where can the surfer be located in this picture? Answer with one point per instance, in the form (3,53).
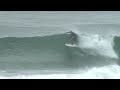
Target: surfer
(73,37)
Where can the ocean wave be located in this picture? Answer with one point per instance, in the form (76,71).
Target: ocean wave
(50,52)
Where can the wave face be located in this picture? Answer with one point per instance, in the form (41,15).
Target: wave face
(32,52)
(50,52)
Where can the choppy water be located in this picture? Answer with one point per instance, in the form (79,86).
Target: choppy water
(32,45)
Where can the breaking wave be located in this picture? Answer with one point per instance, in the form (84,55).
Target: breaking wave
(50,52)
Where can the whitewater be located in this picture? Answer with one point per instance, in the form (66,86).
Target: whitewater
(32,45)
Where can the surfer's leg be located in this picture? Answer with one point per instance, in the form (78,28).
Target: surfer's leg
(72,40)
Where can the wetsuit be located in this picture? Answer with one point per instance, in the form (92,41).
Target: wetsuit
(73,38)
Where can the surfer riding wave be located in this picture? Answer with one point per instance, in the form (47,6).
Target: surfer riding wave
(73,38)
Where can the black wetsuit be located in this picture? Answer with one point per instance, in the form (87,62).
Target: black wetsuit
(73,38)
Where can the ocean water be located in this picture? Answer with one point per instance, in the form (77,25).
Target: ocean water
(32,45)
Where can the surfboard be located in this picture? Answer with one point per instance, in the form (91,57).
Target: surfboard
(70,45)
